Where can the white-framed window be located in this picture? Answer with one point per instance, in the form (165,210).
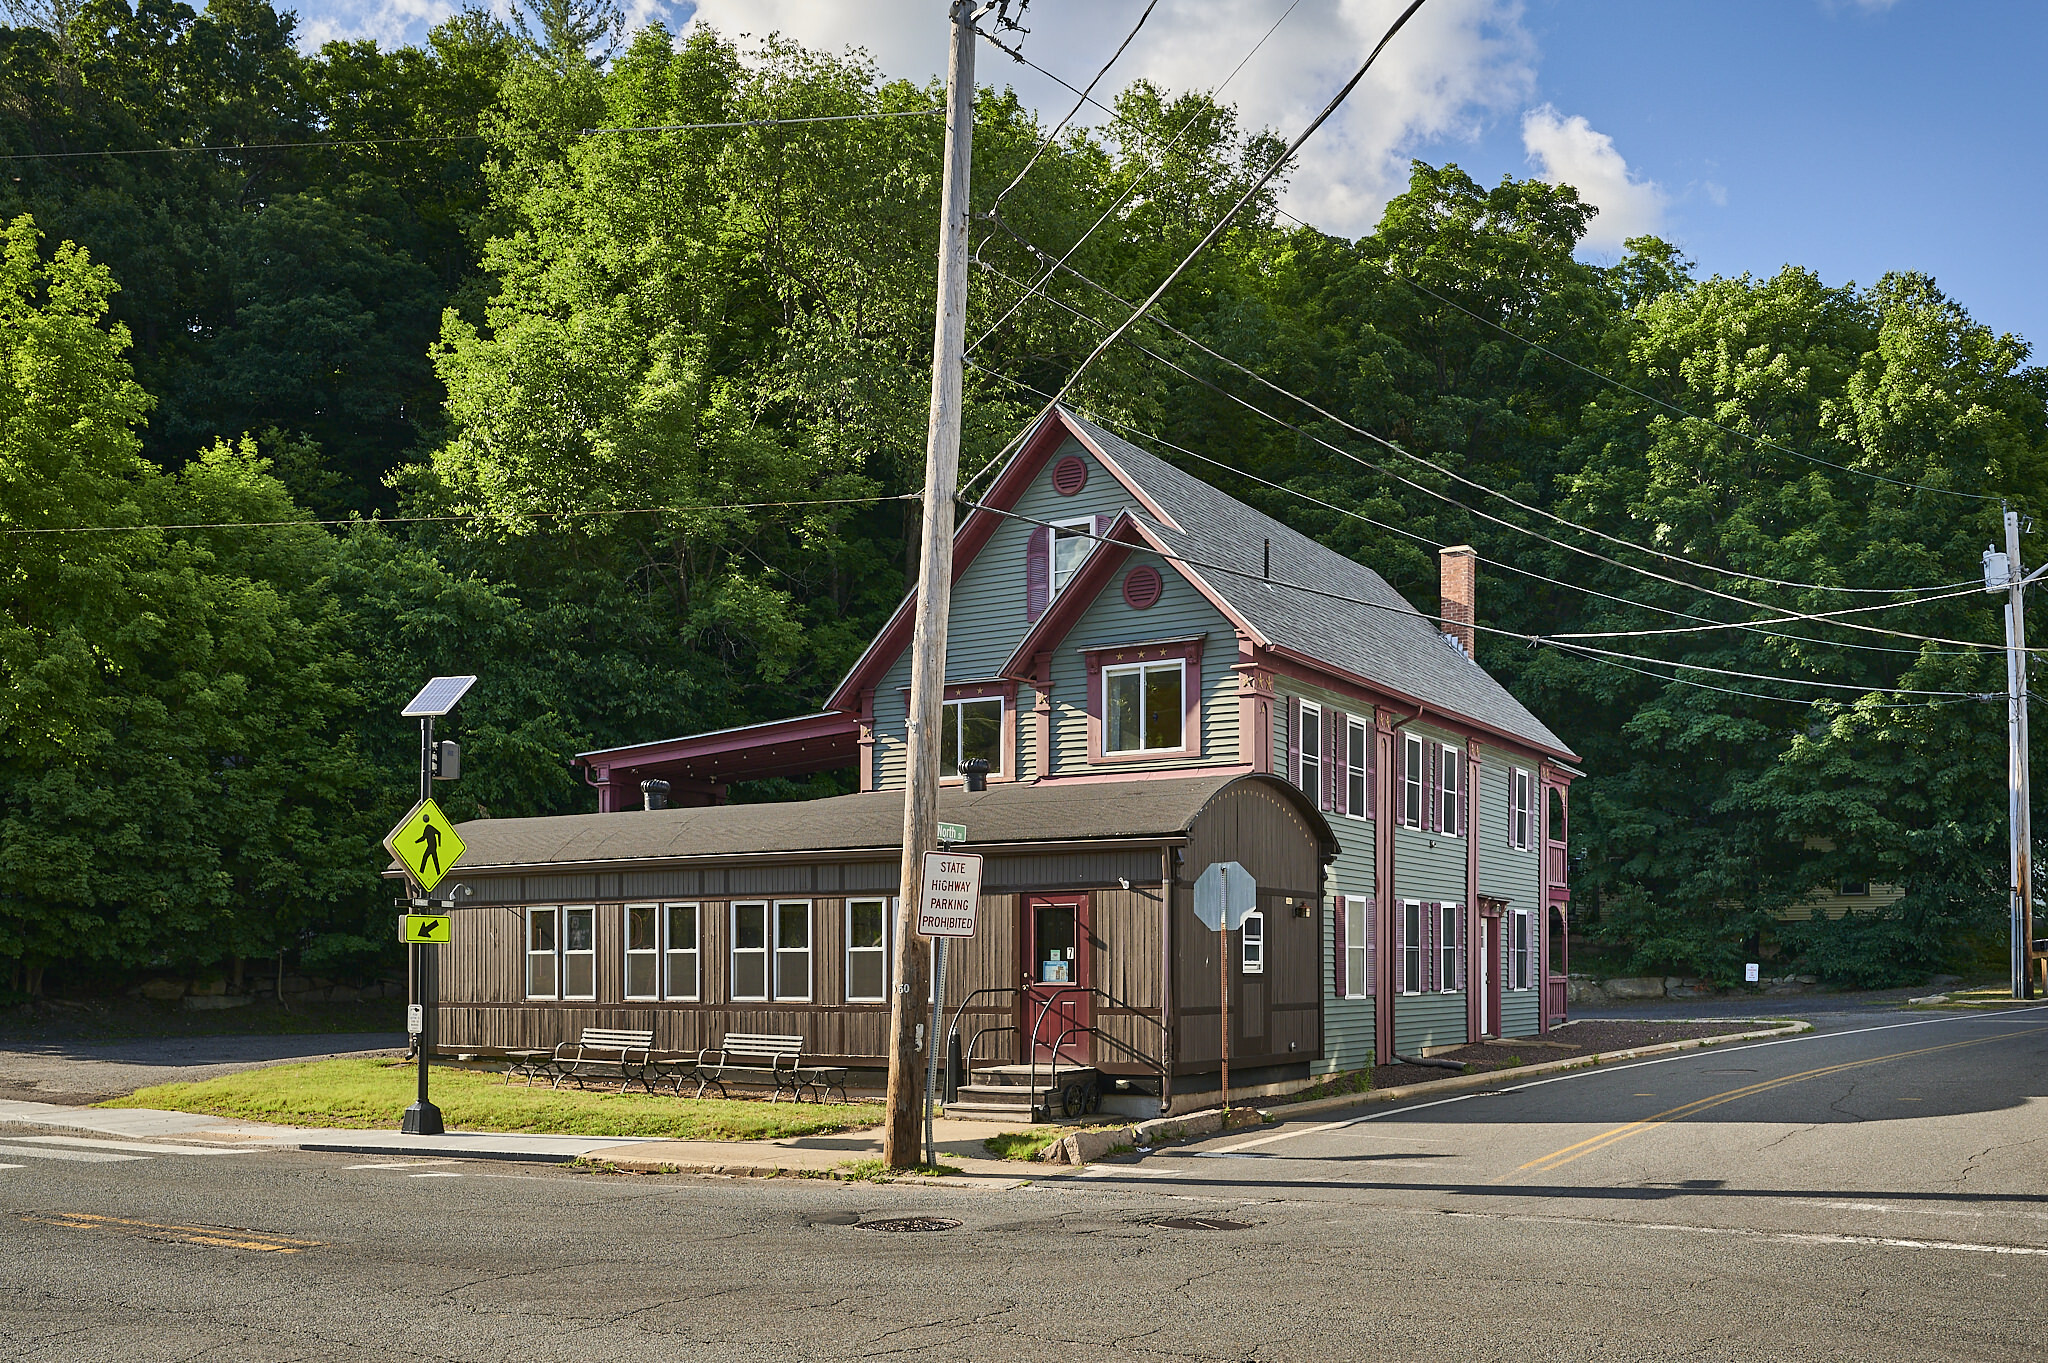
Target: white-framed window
(1411,946)
(1143,707)
(971,728)
(1310,744)
(1521,790)
(1358,981)
(867,950)
(543,944)
(1447,790)
(682,952)
(643,951)
(1252,943)
(1071,541)
(1518,950)
(579,952)
(1450,918)
(749,951)
(793,950)
(1355,793)
(1413,781)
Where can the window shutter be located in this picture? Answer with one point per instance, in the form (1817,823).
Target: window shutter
(1432,802)
(1370,909)
(1464,919)
(1331,720)
(1294,739)
(1465,778)
(1037,571)
(1400,777)
(1372,747)
(1340,763)
(1104,520)
(1341,948)
(1514,802)
(1429,946)
(1400,947)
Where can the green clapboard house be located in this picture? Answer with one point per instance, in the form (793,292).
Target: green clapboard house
(1117,622)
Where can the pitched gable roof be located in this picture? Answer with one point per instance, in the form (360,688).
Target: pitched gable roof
(1386,642)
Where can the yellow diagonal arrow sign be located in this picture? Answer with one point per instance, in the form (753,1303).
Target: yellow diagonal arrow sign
(426,843)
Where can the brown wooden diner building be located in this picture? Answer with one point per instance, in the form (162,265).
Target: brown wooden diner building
(696,922)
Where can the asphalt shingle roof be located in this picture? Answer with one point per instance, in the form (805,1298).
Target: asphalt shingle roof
(1388,641)
(1004,813)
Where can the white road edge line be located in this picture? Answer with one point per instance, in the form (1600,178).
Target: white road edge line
(1716,1052)
(140,1146)
(404,1164)
(83,1156)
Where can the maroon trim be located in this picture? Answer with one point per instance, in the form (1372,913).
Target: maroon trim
(1142,587)
(701,764)
(1002,688)
(1289,662)
(1070,475)
(1189,653)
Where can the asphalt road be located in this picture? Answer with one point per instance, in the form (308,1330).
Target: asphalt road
(1874,1191)
(86,1072)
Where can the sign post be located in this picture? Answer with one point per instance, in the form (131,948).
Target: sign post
(1225,895)
(948,897)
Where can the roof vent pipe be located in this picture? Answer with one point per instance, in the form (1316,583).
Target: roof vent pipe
(1458,567)
(975,771)
(1269,560)
(654,794)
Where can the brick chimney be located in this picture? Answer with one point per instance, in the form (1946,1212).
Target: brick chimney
(1459,568)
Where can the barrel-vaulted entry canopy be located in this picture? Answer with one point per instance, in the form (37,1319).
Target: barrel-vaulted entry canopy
(1002,815)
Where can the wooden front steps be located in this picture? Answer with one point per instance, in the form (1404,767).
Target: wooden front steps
(1006,1093)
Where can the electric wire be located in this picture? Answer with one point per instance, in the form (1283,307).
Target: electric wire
(456,137)
(1787,613)
(1764,441)
(1708,623)
(368,522)
(1407,610)
(1395,447)
(1137,182)
(1257,187)
(1084,98)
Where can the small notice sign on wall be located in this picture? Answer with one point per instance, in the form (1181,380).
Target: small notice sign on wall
(949,895)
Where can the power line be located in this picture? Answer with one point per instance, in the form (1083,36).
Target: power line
(1216,230)
(1473,483)
(1786,613)
(373,521)
(458,137)
(1759,695)
(1158,160)
(1085,95)
(1708,623)
(1408,610)
(1765,441)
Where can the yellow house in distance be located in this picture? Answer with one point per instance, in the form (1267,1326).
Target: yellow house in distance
(1842,898)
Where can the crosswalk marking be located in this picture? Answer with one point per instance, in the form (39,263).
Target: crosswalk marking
(51,1152)
(141,1147)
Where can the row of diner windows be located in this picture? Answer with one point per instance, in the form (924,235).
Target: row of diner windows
(1430,779)
(1430,948)
(769,946)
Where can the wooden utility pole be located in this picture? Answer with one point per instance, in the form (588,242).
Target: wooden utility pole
(934,600)
(2019,792)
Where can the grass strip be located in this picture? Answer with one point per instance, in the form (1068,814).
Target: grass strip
(1022,1144)
(365,1093)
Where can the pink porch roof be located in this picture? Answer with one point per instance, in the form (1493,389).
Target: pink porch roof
(782,747)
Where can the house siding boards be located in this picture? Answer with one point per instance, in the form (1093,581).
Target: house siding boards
(1513,875)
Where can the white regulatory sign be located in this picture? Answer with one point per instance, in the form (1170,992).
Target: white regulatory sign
(949,894)
(415,1020)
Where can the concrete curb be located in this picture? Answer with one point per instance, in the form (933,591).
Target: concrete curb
(1459,1083)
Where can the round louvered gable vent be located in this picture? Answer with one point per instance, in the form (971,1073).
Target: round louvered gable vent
(1142,588)
(1069,476)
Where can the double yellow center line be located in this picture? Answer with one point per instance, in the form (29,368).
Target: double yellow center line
(1558,1158)
(226,1237)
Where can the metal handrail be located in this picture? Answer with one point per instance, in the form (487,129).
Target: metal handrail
(1053,994)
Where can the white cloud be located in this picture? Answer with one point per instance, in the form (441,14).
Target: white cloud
(1457,64)
(1568,151)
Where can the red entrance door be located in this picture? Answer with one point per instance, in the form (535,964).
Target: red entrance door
(1056,1007)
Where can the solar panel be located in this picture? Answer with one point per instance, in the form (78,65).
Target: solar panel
(438,696)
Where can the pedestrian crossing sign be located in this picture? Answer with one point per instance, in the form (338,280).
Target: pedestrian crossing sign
(426,843)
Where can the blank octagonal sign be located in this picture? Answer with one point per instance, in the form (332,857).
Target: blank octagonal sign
(1142,587)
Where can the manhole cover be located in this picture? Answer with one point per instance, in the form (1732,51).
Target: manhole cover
(1201,1223)
(911,1223)
(833,1219)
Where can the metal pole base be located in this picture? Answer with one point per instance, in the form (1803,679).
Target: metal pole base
(422,1119)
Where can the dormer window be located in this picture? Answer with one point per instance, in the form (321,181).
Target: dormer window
(1071,541)
(971,728)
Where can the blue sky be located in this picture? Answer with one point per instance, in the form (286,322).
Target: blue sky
(1849,136)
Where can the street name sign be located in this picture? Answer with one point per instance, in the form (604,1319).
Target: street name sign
(1225,894)
(425,929)
(949,894)
(426,843)
(952,832)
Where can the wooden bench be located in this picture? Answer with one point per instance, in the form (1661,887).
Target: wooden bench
(607,1051)
(765,1058)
